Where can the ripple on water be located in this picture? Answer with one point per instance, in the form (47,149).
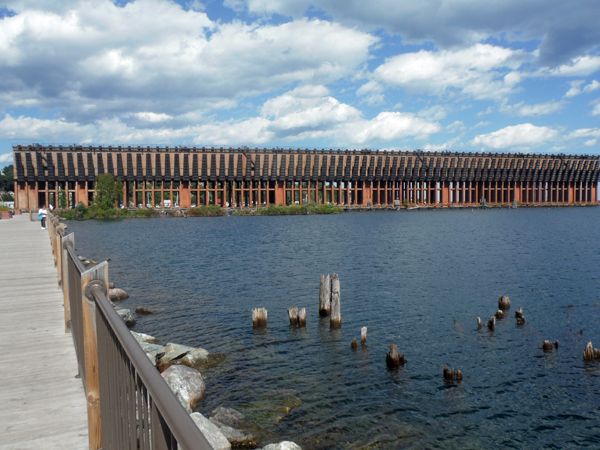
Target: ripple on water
(416,280)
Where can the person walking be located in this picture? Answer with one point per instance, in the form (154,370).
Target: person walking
(42,213)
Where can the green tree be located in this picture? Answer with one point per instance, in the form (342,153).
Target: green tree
(109,191)
(62,199)
(7,182)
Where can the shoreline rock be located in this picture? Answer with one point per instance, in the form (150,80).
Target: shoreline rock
(239,431)
(186,382)
(127,317)
(117,294)
(211,432)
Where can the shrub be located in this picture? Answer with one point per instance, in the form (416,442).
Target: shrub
(291,210)
(206,211)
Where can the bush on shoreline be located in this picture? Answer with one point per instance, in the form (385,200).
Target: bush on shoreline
(95,212)
(291,210)
(206,211)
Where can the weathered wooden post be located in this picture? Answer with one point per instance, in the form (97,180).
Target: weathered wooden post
(503,302)
(393,359)
(259,317)
(336,313)
(90,345)
(479,323)
(353,344)
(66,286)
(491,323)
(302,317)
(293,315)
(363,335)
(324,296)
(589,353)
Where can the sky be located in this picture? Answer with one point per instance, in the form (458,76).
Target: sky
(499,76)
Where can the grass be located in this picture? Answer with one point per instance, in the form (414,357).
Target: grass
(206,211)
(291,210)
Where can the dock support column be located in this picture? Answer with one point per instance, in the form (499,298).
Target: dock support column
(81,193)
(185,201)
(280,193)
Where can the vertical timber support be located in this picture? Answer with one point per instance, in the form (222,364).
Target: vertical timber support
(65,285)
(90,345)
(59,253)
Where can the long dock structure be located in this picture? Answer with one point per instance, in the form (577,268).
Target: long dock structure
(188,177)
(43,403)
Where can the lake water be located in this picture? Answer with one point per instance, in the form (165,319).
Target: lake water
(417,279)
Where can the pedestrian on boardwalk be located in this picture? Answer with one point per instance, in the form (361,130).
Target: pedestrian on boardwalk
(42,213)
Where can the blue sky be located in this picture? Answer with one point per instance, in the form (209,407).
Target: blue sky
(460,75)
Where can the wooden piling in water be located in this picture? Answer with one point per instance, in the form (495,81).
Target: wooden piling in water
(293,315)
(363,335)
(302,317)
(393,359)
(336,313)
(503,302)
(324,296)
(259,317)
(353,344)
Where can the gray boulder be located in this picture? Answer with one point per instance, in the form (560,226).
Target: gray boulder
(211,432)
(145,311)
(125,314)
(152,350)
(238,430)
(141,337)
(187,382)
(117,294)
(284,445)
(185,404)
(176,354)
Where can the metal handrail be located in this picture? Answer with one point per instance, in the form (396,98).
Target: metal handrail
(184,429)
(132,406)
(68,246)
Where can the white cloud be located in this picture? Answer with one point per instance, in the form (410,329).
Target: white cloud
(565,29)
(519,136)
(387,126)
(480,124)
(576,88)
(482,71)
(100,60)
(521,109)
(592,86)
(435,147)
(485,112)
(455,126)
(152,117)
(591,142)
(435,112)
(584,133)
(596,110)
(307,112)
(580,66)
(6,158)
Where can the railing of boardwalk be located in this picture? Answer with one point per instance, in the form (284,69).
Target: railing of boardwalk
(129,404)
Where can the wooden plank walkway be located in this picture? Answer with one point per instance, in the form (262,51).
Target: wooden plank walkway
(42,404)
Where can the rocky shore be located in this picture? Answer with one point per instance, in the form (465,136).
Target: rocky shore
(181,367)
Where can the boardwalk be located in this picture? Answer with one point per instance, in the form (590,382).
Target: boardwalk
(42,404)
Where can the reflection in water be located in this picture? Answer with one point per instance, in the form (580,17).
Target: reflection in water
(408,277)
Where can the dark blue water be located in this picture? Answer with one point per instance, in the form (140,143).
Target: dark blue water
(407,276)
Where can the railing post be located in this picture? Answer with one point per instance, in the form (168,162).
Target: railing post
(96,275)
(59,253)
(70,238)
